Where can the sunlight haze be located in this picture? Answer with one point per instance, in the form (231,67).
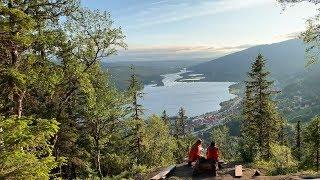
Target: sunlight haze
(179,29)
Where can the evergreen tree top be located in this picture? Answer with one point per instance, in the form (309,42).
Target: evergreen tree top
(135,85)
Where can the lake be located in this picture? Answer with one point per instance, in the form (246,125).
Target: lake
(195,97)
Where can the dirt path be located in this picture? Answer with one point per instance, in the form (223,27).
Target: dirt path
(184,172)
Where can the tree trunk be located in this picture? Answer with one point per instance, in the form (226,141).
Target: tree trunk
(20,104)
(260,122)
(318,146)
(97,147)
(318,159)
(135,104)
(298,141)
(14,56)
(98,161)
(138,143)
(1,140)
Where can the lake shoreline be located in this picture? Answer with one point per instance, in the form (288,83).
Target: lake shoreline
(197,97)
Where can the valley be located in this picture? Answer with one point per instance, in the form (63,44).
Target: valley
(131,89)
(297,85)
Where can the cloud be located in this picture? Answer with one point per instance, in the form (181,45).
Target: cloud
(292,35)
(175,53)
(161,53)
(164,11)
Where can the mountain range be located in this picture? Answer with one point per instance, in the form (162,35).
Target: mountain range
(148,72)
(284,60)
(300,86)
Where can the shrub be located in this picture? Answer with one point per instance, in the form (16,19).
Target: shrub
(281,161)
(25,152)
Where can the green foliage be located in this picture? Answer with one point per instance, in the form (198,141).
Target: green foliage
(116,164)
(227,144)
(165,117)
(310,36)
(134,93)
(312,141)
(183,140)
(159,145)
(51,69)
(136,172)
(248,149)
(25,151)
(137,124)
(281,161)
(180,123)
(182,148)
(262,123)
(297,151)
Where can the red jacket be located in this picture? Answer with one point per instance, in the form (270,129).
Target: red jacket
(213,153)
(195,153)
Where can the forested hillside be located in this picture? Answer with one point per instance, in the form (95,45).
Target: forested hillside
(285,60)
(62,115)
(296,81)
(299,99)
(149,72)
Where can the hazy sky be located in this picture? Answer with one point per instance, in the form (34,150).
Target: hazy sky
(179,29)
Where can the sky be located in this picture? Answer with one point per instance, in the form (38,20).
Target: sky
(200,29)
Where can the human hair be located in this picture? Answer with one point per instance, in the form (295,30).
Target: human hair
(213,144)
(199,141)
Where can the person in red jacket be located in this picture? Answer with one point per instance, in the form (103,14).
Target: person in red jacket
(213,152)
(195,152)
(213,157)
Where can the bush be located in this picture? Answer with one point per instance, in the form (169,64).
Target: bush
(247,149)
(228,145)
(25,152)
(137,171)
(158,144)
(281,161)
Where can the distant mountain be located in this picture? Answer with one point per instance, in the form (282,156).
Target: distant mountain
(284,60)
(299,99)
(149,72)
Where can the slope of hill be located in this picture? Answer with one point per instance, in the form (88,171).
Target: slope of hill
(300,99)
(149,72)
(284,60)
(300,86)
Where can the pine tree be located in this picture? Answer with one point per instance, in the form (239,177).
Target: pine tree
(28,30)
(165,118)
(297,147)
(160,145)
(106,112)
(32,40)
(180,135)
(87,38)
(226,143)
(181,123)
(283,139)
(16,28)
(26,152)
(136,109)
(260,112)
(248,145)
(312,140)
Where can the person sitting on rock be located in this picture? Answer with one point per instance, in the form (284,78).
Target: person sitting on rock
(213,156)
(195,152)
